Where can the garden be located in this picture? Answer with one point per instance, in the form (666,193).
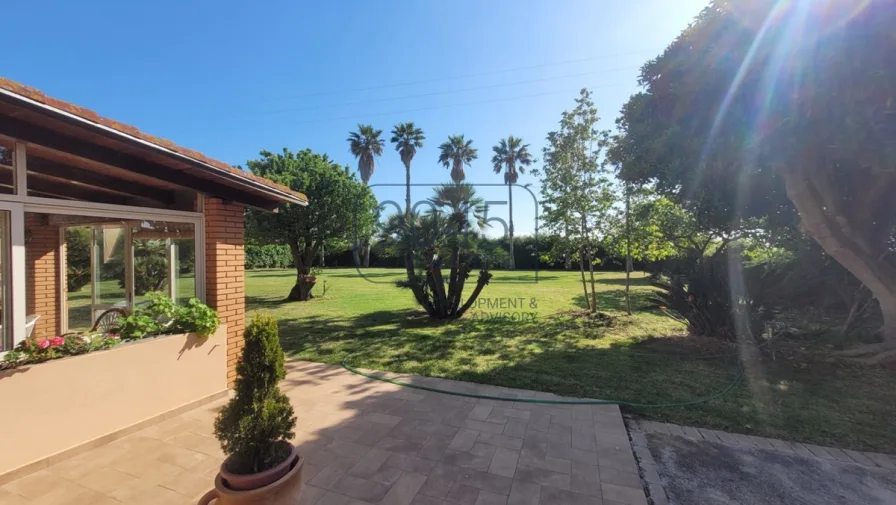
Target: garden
(644,358)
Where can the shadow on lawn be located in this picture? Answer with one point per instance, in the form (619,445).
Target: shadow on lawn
(816,402)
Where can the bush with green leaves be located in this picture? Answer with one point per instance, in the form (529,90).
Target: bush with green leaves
(259,415)
(161,316)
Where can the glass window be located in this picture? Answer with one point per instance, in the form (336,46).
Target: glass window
(7,161)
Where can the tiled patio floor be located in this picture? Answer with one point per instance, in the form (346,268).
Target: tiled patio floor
(368,442)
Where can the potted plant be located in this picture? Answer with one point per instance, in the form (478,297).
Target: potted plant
(255,427)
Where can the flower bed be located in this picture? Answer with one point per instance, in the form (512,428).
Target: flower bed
(159,317)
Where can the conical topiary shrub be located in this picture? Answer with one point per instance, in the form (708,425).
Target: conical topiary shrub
(259,418)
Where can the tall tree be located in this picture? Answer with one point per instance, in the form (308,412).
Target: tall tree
(511,155)
(455,153)
(761,108)
(407,139)
(576,191)
(337,205)
(366,145)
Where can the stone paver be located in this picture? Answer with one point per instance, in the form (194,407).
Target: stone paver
(368,442)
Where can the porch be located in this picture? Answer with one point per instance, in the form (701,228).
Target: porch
(94,216)
(369,442)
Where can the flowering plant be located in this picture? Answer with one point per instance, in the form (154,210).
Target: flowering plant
(32,350)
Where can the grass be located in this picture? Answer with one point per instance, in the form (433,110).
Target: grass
(642,359)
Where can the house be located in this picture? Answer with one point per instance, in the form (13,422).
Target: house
(137,213)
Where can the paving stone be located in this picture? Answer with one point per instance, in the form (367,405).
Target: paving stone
(575,455)
(802,450)
(484,426)
(781,445)
(540,422)
(742,440)
(480,449)
(466,460)
(440,480)
(399,446)
(628,479)
(426,500)
(373,434)
(346,448)
(480,412)
(410,463)
(543,477)
(516,428)
(435,447)
(311,494)
(622,494)
(585,479)
(461,494)
(585,439)
(859,458)
(370,463)
(485,481)
(504,462)
(621,459)
(386,419)
(761,442)
(657,494)
(504,441)
(882,460)
(638,438)
(691,433)
(489,498)
(725,437)
(819,451)
(524,493)
(555,496)
(561,435)
(404,490)
(533,454)
(707,435)
(838,454)
(331,474)
(361,489)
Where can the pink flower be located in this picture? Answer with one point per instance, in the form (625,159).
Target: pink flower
(116,336)
(44,344)
(58,341)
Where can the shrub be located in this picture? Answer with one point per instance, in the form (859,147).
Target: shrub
(259,415)
(77,258)
(161,316)
(268,256)
(196,317)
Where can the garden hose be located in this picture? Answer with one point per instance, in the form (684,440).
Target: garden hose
(722,392)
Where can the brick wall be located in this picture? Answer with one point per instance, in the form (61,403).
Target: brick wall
(225,277)
(41,278)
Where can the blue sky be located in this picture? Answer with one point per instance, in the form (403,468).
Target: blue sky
(230,78)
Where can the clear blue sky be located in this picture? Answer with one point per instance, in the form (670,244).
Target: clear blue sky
(230,78)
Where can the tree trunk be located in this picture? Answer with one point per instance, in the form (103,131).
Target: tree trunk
(593,291)
(510,201)
(838,239)
(628,250)
(567,257)
(484,277)
(305,282)
(367,253)
(416,288)
(407,199)
(584,283)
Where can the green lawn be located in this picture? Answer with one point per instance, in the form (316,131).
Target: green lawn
(641,359)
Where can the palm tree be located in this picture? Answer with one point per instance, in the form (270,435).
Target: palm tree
(366,145)
(407,139)
(455,153)
(511,155)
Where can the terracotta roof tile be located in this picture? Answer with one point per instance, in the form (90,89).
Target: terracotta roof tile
(89,115)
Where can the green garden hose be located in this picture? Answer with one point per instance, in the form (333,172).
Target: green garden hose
(722,392)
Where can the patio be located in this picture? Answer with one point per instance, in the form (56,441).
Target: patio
(369,442)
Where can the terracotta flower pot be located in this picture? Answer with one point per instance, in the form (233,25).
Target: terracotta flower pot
(279,485)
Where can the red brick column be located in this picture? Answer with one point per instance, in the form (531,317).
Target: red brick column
(41,277)
(224,273)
